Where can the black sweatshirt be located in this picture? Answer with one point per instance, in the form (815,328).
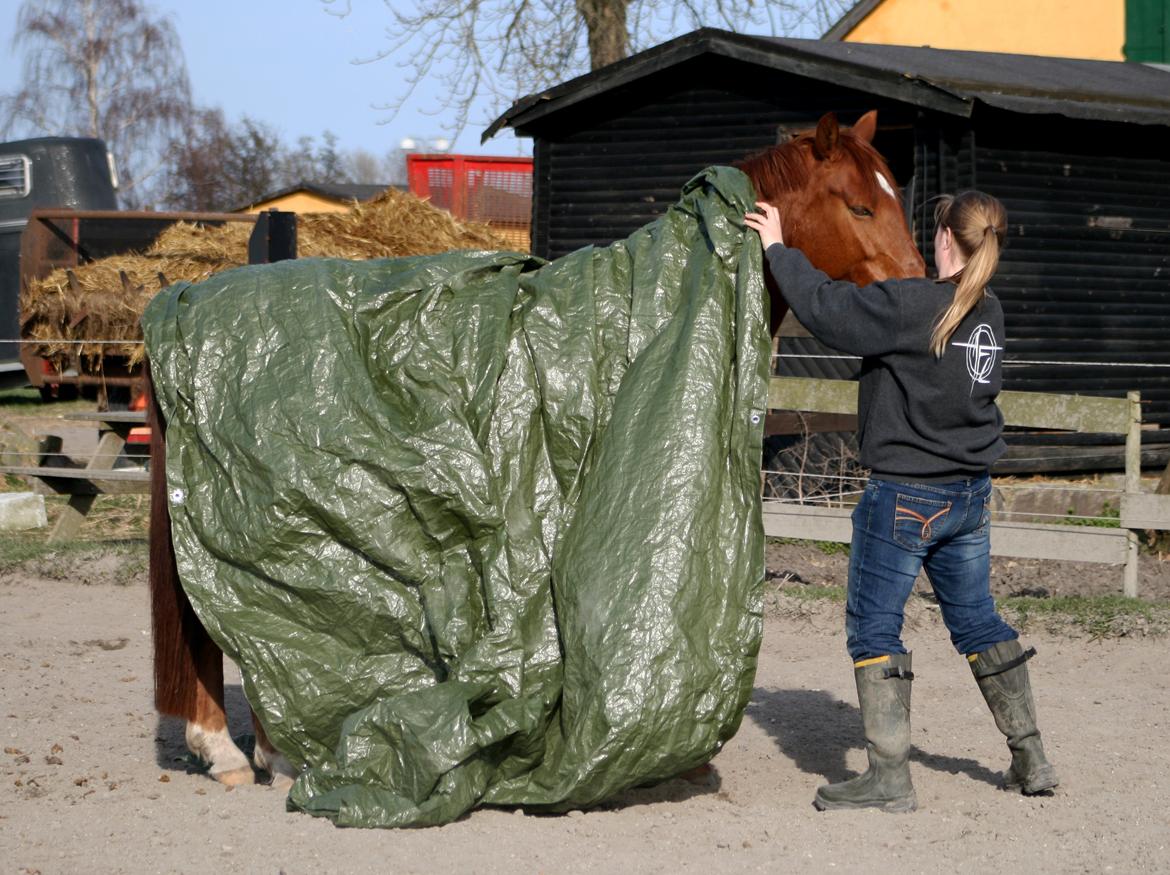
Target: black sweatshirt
(920,419)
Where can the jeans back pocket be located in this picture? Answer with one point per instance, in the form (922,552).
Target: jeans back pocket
(919,521)
(985,516)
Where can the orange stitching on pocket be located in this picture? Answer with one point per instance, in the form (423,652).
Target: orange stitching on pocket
(914,515)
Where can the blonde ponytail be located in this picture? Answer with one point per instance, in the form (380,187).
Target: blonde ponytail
(978,222)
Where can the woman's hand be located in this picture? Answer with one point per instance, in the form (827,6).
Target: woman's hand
(767,223)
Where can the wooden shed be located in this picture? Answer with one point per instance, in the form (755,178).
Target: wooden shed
(1078,150)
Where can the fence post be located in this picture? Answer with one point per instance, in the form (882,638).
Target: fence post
(1133,485)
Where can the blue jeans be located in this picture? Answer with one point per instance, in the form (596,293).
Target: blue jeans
(900,528)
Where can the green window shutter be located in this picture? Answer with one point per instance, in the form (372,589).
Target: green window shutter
(1146,25)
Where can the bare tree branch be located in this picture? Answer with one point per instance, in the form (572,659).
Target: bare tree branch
(106,69)
(495,51)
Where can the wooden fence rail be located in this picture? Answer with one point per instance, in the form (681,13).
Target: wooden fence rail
(98,477)
(1075,413)
(832,403)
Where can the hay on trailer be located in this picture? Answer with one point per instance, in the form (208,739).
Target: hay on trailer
(104,300)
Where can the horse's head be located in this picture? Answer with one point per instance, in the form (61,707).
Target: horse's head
(837,201)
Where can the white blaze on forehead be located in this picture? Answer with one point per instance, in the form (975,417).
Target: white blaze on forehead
(885,184)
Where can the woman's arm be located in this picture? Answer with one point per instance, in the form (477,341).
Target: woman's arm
(860,321)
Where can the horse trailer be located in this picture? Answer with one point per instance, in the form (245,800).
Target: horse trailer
(67,172)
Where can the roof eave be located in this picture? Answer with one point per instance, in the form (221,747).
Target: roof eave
(906,88)
(1024,104)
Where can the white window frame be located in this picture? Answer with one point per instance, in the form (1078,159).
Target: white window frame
(13,193)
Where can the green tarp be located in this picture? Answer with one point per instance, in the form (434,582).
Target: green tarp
(477,528)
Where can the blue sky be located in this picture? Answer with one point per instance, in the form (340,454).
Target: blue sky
(288,63)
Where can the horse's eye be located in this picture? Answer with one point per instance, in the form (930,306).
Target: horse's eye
(864,212)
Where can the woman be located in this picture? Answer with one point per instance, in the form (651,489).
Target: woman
(929,430)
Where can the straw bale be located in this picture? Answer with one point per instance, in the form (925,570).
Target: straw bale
(103,306)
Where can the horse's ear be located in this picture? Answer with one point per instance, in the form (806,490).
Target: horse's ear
(826,137)
(866,126)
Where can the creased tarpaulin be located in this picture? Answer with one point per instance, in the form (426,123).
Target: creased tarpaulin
(479,529)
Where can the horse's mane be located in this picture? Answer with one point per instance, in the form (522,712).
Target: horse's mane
(780,169)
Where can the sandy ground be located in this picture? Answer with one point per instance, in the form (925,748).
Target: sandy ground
(91,780)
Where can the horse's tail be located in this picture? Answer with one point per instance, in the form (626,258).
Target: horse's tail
(180,641)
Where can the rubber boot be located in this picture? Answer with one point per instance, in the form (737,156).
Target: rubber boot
(883,693)
(1002,675)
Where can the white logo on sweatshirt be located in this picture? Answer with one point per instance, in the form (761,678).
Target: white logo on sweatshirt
(981,353)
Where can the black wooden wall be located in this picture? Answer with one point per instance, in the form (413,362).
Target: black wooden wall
(1085,275)
(606,167)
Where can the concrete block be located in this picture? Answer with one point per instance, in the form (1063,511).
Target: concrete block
(22,510)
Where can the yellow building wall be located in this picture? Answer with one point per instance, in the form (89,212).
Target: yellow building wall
(301,202)
(1092,29)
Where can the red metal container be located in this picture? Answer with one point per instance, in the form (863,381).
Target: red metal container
(478,188)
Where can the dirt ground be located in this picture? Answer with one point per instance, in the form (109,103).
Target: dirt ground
(92,781)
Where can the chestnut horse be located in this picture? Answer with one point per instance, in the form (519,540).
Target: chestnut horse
(838,204)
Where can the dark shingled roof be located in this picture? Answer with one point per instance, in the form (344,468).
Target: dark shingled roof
(940,79)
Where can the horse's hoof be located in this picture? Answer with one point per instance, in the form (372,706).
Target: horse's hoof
(275,764)
(235,777)
(228,764)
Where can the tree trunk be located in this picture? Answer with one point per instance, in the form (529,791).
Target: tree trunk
(609,40)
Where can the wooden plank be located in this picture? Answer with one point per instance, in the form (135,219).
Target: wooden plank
(129,475)
(1079,413)
(808,423)
(92,486)
(138,417)
(1133,486)
(1133,443)
(75,511)
(84,484)
(818,396)
(1145,511)
(1071,543)
(808,522)
(89,487)
(1019,540)
(80,502)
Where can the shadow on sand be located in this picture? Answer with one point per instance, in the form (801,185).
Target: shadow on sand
(816,730)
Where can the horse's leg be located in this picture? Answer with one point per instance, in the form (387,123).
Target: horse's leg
(207,733)
(188,666)
(268,758)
